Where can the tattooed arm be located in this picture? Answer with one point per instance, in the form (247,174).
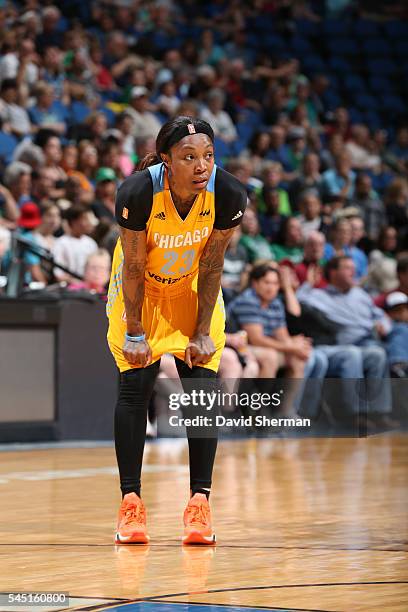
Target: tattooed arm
(134,252)
(201,348)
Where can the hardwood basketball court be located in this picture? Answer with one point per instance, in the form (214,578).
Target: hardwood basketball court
(302,524)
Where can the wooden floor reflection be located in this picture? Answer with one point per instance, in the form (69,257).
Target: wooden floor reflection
(302,524)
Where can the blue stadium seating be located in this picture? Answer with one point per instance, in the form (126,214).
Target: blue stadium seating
(376,47)
(365,102)
(339,64)
(313,64)
(396,29)
(365,28)
(343,46)
(334,27)
(379,84)
(391,103)
(401,48)
(354,83)
(384,67)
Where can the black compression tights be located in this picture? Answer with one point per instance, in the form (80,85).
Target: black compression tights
(136,388)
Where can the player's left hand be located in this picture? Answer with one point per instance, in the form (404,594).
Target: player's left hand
(199,350)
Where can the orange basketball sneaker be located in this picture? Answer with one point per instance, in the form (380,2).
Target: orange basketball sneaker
(197,521)
(131,527)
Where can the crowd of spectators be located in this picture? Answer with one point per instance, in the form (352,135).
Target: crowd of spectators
(84,89)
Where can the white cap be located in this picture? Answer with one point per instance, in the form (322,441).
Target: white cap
(139,91)
(396,298)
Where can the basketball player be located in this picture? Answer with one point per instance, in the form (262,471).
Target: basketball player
(177,215)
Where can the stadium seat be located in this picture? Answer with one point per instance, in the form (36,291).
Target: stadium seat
(372,119)
(376,47)
(343,46)
(365,102)
(379,84)
(223,150)
(109,114)
(396,29)
(304,27)
(331,99)
(384,67)
(401,49)
(390,103)
(300,45)
(354,83)
(274,43)
(313,64)
(245,131)
(334,27)
(365,28)
(355,115)
(339,64)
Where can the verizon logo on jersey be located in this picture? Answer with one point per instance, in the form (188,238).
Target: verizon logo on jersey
(169,241)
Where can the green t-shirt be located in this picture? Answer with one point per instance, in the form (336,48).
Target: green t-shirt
(284,204)
(257,247)
(294,254)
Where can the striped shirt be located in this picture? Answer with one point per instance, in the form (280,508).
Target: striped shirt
(246,308)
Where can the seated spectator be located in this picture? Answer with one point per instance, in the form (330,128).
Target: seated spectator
(401,284)
(255,245)
(87,159)
(235,265)
(396,306)
(217,117)
(50,224)
(47,113)
(313,257)
(309,179)
(13,115)
(29,220)
(387,244)
(339,181)
(356,242)
(342,297)
(105,195)
(396,203)
(296,148)
(69,164)
(72,250)
(53,72)
(272,177)
(96,273)
(310,208)
(9,212)
(361,324)
(260,312)
(371,208)
(271,220)
(358,147)
(168,102)
(145,123)
(258,151)
(278,150)
(289,245)
(51,146)
(17,179)
(341,244)
(399,151)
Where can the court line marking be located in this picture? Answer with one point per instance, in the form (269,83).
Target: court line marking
(199,603)
(40,475)
(219,546)
(158,598)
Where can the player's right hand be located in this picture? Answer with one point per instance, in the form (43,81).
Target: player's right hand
(137,353)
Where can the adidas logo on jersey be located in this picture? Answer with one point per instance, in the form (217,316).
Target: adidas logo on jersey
(237,216)
(160,216)
(204,213)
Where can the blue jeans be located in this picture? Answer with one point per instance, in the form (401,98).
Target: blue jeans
(367,363)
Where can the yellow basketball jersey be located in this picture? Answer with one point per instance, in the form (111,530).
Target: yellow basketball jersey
(174,245)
